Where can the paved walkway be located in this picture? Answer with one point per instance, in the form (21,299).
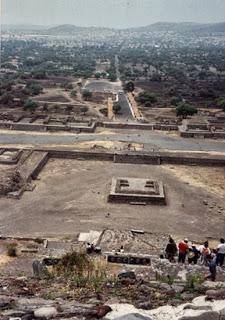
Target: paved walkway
(150,139)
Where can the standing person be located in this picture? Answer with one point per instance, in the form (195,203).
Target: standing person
(211,262)
(220,253)
(171,250)
(193,254)
(205,252)
(183,249)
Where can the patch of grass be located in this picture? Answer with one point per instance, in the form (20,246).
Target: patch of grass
(49,296)
(192,281)
(165,279)
(74,264)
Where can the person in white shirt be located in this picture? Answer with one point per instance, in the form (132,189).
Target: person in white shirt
(220,253)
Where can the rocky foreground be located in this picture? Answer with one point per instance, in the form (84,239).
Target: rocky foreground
(20,299)
(80,286)
(201,308)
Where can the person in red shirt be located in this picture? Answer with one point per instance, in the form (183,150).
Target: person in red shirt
(183,249)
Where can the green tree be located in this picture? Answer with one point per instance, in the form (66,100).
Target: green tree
(175,101)
(30,105)
(34,88)
(6,98)
(84,109)
(112,77)
(97,75)
(183,110)
(73,93)
(129,86)
(221,103)
(146,98)
(39,74)
(87,95)
(116,107)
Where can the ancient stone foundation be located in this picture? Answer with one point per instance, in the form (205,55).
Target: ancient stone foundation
(134,190)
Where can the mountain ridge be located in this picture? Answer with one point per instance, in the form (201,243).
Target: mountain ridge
(179,27)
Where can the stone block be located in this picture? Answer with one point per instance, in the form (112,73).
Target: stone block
(200,315)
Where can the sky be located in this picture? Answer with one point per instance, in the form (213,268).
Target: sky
(110,13)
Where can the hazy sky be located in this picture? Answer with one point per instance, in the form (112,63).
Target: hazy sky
(110,13)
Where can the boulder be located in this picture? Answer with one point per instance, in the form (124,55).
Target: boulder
(127,275)
(133,316)
(144,305)
(177,288)
(213,285)
(215,294)
(195,307)
(5,302)
(101,311)
(222,314)
(200,315)
(27,317)
(166,287)
(45,312)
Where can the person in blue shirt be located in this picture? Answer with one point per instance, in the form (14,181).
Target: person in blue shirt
(211,261)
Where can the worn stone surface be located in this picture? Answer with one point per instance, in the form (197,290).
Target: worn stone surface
(127,275)
(133,316)
(46,312)
(201,315)
(215,294)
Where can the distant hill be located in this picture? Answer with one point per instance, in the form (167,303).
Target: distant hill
(65,28)
(70,29)
(183,27)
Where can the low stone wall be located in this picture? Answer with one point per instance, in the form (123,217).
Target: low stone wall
(80,155)
(165,127)
(124,125)
(202,134)
(133,157)
(20,126)
(151,158)
(202,159)
(14,159)
(33,165)
(46,127)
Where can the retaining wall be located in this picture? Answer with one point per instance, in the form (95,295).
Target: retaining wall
(152,158)
(202,134)
(33,165)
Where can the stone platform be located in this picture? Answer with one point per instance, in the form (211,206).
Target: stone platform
(135,191)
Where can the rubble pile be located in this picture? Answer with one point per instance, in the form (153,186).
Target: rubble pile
(11,181)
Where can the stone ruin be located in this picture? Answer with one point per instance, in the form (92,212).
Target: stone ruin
(135,191)
(11,181)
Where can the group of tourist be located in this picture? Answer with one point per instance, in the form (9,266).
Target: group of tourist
(192,254)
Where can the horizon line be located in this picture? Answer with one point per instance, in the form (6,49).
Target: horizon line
(105,27)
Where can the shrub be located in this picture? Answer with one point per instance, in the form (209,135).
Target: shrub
(86,95)
(184,110)
(12,249)
(146,98)
(30,105)
(73,93)
(175,101)
(129,86)
(221,103)
(84,109)
(74,263)
(116,107)
(33,89)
